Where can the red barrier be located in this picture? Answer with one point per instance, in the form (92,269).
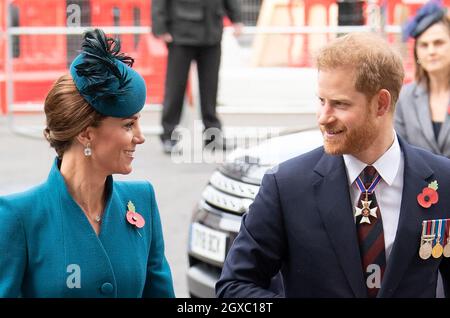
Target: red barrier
(41,59)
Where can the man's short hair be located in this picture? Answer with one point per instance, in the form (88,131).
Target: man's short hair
(376,65)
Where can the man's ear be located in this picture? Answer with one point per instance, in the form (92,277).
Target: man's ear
(85,137)
(383,102)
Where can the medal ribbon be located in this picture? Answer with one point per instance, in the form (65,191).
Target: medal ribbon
(371,188)
(447,228)
(433,232)
(424,228)
(441,232)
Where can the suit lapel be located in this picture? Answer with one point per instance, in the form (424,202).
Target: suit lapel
(406,244)
(423,115)
(333,200)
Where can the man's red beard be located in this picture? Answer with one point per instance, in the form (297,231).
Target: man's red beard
(350,142)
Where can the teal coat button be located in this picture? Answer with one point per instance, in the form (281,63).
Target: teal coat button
(107,288)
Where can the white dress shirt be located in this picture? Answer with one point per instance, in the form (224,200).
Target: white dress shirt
(388,192)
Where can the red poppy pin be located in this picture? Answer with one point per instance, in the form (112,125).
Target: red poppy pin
(133,217)
(429,195)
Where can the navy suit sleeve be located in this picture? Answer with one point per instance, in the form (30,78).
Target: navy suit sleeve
(159,282)
(255,256)
(13,253)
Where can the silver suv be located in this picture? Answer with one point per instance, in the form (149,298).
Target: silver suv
(231,189)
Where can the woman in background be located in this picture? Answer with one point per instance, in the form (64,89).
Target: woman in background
(423,108)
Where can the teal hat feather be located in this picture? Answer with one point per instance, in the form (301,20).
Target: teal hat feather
(105,79)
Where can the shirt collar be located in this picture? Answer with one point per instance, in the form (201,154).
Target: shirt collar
(387,165)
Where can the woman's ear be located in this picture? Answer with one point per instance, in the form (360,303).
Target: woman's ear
(85,137)
(383,99)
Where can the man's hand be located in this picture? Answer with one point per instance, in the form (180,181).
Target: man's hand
(166,37)
(237,28)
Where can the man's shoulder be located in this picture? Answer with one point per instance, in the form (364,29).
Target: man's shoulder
(439,164)
(301,163)
(432,159)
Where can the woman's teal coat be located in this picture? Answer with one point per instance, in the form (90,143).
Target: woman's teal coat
(49,249)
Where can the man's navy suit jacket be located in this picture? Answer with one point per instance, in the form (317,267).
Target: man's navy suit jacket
(301,224)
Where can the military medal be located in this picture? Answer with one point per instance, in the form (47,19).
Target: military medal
(366,211)
(447,239)
(438,249)
(447,248)
(426,241)
(425,250)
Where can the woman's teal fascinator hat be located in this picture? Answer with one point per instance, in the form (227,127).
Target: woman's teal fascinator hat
(105,79)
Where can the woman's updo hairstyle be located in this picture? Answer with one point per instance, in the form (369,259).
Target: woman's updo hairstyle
(67,114)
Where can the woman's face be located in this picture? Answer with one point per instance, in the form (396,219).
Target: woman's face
(114,143)
(433,47)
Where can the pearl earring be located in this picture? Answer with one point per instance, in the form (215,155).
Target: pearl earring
(88,150)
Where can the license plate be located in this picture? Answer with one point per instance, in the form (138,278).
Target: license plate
(207,242)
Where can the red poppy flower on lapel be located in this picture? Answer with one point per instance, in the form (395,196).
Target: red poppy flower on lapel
(429,195)
(133,217)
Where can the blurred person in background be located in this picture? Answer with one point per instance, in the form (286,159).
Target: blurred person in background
(80,233)
(423,109)
(192,30)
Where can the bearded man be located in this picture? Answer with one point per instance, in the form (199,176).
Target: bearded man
(362,216)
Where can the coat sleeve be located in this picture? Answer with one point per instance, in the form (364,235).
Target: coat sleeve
(158,282)
(233,9)
(13,253)
(256,254)
(160,16)
(399,121)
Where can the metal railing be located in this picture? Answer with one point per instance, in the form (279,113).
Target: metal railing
(234,106)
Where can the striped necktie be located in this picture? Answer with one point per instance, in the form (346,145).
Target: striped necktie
(369,227)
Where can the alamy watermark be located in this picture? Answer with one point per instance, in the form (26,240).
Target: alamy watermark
(74,278)
(73,15)
(374,278)
(192,144)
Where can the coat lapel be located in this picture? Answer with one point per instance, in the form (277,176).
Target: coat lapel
(422,109)
(81,245)
(444,136)
(416,173)
(333,199)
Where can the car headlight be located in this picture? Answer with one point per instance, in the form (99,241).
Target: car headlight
(226,201)
(231,186)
